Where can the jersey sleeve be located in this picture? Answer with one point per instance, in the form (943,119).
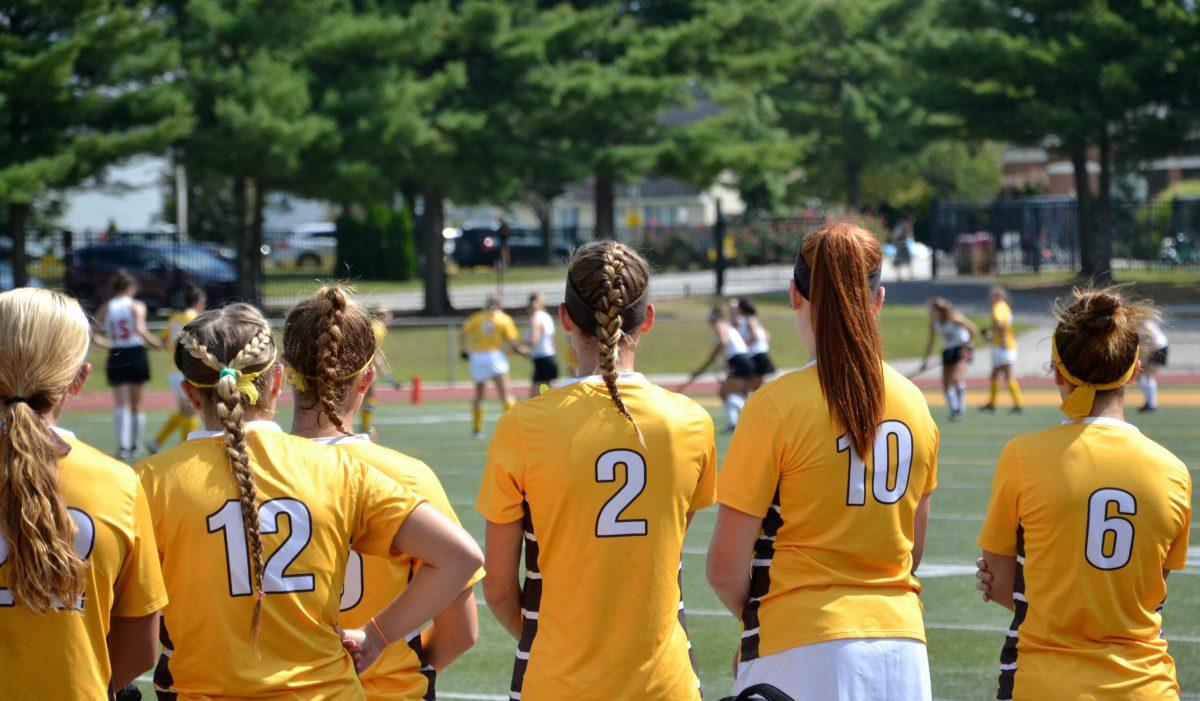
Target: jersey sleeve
(999,533)
(139,589)
(705,493)
(510,329)
(502,490)
(931,481)
(750,476)
(1177,555)
(385,506)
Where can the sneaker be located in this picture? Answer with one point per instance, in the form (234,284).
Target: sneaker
(1147,409)
(988,408)
(956,416)
(1017,410)
(152,447)
(477,435)
(123,454)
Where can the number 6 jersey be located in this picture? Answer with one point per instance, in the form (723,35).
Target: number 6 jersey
(604,524)
(1093,511)
(313,502)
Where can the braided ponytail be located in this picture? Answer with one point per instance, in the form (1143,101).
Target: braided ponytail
(331,306)
(222,328)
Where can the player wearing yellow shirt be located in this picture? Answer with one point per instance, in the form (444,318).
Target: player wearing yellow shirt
(185,419)
(1085,521)
(483,338)
(825,497)
(253,527)
(80,583)
(1004,352)
(599,478)
(403,672)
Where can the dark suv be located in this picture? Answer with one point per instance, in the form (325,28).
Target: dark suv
(481,246)
(163,272)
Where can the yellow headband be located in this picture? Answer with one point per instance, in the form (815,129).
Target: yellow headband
(300,382)
(245,381)
(1078,403)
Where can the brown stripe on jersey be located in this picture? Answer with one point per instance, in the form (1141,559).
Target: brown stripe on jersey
(760,578)
(1008,654)
(531,602)
(683,624)
(163,681)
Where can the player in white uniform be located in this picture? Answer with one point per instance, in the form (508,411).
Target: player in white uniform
(758,340)
(123,321)
(956,332)
(1154,350)
(542,350)
(737,383)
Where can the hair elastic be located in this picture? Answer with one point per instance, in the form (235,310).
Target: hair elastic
(300,381)
(802,275)
(379,630)
(17,400)
(245,381)
(1078,403)
(584,315)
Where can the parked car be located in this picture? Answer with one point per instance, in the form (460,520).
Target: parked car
(306,246)
(169,238)
(163,272)
(480,246)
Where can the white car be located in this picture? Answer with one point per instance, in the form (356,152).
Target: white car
(306,246)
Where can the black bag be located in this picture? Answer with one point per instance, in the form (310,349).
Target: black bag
(763,691)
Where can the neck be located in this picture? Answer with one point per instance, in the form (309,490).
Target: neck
(213,423)
(589,360)
(1109,405)
(311,423)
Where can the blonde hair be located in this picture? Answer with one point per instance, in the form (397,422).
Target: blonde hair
(234,338)
(610,278)
(43,343)
(345,345)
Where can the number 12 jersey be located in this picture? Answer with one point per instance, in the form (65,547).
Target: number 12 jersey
(604,524)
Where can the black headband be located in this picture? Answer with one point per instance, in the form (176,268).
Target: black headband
(584,315)
(802,275)
(16,400)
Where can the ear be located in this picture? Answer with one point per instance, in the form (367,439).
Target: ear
(365,380)
(877,303)
(80,380)
(565,319)
(1137,371)
(193,395)
(276,381)
(794,295)
(648,322)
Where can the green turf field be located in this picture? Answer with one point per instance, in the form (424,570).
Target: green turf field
(964,634)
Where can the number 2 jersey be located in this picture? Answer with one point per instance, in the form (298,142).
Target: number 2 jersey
(313,502)
(604,520)
(1093,511)
(400,673)
(64,654)
(834,557)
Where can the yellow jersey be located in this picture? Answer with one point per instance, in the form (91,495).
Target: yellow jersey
(174,328)
(64,655)
(604,520)
(313,503)
(400,673)
(489,330)
(1002,319)
(1093,511)
(834,559)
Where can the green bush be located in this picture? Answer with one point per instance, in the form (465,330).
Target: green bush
(378,244)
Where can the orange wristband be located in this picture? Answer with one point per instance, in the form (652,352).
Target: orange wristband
(379,630)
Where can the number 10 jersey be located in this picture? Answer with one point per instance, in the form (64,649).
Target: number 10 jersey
(604,524)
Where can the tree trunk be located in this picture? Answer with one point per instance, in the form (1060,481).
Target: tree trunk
(541,208)
(256,240)
(16,232)
(437,293)
(1102,270)
(853,172)
(1085,211)
(605,193)
(242,237)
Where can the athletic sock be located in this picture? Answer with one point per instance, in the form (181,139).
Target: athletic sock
(139,430)
(509,403)
(994,391)
(733,408)
(191,424)
(174,422)
(1015,390)
(952,399)
(124,421)
(366,415)
(961,389)
(1151,392)
(477,418)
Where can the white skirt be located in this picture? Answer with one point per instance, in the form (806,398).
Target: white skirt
(1003,356)
(486,365)
(855,669)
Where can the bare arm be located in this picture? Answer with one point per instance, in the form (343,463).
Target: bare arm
(454,631)
(501,587)
(132,647)
(972,329)
(139,320)
(920,522)
(1003,571)
(928,347)
(98,336)
(730,555)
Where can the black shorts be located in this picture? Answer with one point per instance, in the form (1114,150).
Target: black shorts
(762,364)
(741,366)
(127,366)
(957,354)
(545,369)
(1159,357)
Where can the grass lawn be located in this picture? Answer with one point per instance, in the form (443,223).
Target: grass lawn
(1166,286)
(678,343)
(964,634)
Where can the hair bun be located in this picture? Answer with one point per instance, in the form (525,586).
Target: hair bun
(1103,312)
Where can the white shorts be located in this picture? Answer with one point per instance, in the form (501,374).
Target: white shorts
(1003,356)
(174,380)
(486,365)
(855,669)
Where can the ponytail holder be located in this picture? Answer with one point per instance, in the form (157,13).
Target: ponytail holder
(1078,403)
(245,381)
(802,276)
(295,379)
(16,400)
(226,372)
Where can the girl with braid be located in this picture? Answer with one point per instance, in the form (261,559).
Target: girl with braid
(80,584)
(597,479)
(329,381)
(253,526)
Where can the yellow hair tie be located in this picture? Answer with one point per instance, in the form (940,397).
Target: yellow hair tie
(1078,403)
(245,381)
(300,381)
